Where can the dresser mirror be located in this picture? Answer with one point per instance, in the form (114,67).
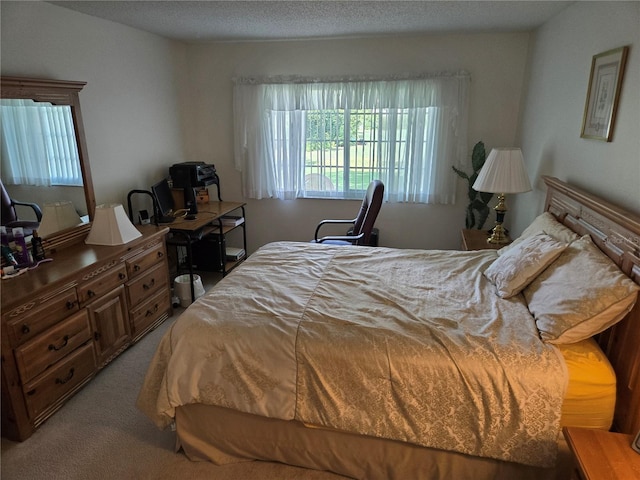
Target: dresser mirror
(64,94)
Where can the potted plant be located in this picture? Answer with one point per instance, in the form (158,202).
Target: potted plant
(478,208)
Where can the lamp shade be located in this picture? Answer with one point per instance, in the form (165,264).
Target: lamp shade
(111,226)
(58,216)
(503,172)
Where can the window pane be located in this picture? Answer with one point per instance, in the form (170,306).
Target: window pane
(324,152)
(342,152)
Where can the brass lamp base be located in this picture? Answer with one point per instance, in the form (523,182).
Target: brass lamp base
(498,235)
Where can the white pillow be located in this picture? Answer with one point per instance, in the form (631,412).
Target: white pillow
(545,222)
(516,268)
(579,295)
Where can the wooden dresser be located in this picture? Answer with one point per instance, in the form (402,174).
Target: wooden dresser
(65,320)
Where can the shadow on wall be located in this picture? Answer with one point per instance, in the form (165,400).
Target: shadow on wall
(530,205)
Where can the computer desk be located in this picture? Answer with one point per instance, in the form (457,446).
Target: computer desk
(208,220)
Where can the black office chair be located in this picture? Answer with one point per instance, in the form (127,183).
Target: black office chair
(361,233)
(10,215)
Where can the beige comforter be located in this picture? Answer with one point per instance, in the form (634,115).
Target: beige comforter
(408,345)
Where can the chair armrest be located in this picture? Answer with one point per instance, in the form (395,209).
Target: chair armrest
(346,238)
(325,222)
(34,206)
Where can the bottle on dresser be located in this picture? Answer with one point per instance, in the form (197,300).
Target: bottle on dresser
(21,251)
(37,250)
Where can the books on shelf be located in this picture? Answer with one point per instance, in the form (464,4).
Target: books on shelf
(231,221)
(234,254)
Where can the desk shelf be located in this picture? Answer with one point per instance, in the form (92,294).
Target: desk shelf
(205,238)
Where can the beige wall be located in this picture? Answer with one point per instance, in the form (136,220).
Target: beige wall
(560,62)
(131,101)
(150,102)
(496,62)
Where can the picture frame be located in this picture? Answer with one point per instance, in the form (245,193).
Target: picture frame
(603,94)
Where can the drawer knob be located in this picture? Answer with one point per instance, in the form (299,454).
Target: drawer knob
(152,311)
(25,329)
(160,254)
(65,340)
(70,305)
(149,285)
(62,381)
(91,293)
(136,268)
(122,276)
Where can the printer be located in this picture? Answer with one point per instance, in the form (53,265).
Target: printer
(191,175)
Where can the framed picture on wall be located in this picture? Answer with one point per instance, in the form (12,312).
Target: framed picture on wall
(605,81)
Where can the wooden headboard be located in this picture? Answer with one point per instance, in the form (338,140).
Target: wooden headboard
(617,232)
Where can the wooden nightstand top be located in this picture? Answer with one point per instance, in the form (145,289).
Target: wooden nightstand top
(474,239)
(603,455)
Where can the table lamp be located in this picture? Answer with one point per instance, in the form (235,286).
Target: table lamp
(111,226)
(58,216)
(502,173)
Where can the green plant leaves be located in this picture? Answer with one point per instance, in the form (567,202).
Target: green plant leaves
(478,209)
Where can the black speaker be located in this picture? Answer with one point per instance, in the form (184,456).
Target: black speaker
(190,201)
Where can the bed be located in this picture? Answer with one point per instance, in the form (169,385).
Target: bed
(386,363)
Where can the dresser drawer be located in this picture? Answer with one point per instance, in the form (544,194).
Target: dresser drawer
(147,284)
(29,319)
(148,312)
(52,385)
(145,260)
(46,349)
(105,282)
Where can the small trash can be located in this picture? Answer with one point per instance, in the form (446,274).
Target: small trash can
(182,288)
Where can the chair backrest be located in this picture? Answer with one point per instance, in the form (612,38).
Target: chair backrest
(368,213)
(8,211)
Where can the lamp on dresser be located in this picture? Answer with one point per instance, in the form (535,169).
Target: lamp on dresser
(58,216)
(502,173)
(111,226)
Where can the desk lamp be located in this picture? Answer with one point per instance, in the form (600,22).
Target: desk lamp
(502,173)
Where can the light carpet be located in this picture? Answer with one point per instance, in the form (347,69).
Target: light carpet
(100,434)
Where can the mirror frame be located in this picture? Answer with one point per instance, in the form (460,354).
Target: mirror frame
(59,92)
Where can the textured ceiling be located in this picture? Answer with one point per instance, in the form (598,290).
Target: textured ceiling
(239,20)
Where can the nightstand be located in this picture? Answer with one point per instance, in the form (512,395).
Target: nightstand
(474,239)
(599,454)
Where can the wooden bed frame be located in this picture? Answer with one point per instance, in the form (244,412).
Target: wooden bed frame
(226,436)
(617,232)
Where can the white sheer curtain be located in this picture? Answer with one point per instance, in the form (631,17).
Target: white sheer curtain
(269,131)
(38,144)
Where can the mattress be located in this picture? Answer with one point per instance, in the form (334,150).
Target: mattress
(276,338)
(224,436)
(591,390)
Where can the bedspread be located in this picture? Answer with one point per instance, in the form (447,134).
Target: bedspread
(409,345)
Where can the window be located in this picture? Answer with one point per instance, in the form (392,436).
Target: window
(38,144)
(313,139)
(347,149)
